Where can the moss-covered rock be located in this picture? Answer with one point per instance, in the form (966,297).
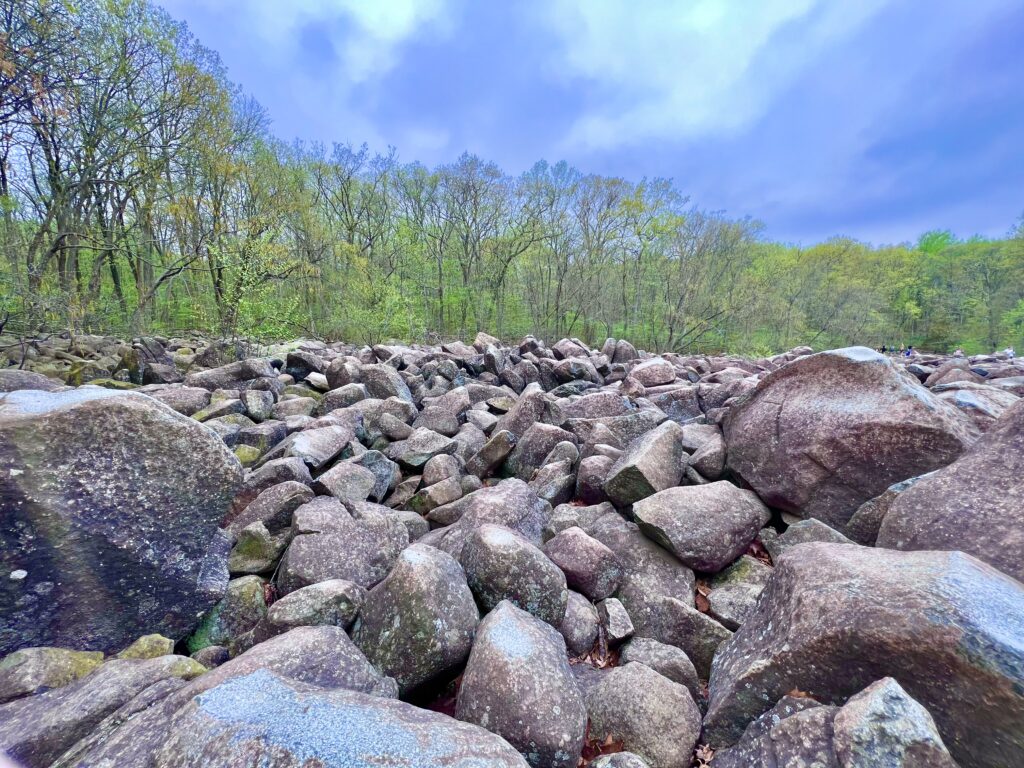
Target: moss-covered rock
(243,607)
(148,647)
(247,455)
(419,622)
(257,550)
(112,384)
(34,670)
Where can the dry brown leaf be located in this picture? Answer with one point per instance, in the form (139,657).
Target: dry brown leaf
(796,693)
(758,552)
(702,756)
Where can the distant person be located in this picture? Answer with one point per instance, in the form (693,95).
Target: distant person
(884,349)
(959,352)
(910,351)
(1010,354)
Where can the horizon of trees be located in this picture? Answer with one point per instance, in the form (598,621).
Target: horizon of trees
(142,192)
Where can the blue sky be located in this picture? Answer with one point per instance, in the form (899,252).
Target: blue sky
(877,119)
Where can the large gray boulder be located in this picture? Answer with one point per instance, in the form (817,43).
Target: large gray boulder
(35,731)
(13,381)
(109,507)
(335,602)
(383,381)
(834,618)
(825,433)
(975,505)
(320,655)
(653,372)
(237,375)
(330,544)
(518,685)
(418,623)
(276,721)
(705,526)
(651,715)
(501,565)
(323,656)
(651,463)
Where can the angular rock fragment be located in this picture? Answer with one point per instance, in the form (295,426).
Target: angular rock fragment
(589,566)
(705,526)
(651,463)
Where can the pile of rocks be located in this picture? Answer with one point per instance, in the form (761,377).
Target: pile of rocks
(506,556)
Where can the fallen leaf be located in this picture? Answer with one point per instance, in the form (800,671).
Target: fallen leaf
(796,693)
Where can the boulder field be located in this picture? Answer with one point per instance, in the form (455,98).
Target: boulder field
(470,555)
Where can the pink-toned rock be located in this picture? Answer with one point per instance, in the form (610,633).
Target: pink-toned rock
(825,433)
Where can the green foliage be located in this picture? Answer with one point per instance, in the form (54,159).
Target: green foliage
(378,312)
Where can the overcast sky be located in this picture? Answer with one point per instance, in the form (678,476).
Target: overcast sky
(878,119)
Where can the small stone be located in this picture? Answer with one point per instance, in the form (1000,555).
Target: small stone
(212,656)
(581,626)
(256,550)
(619,760)
(616,622)
(243,607)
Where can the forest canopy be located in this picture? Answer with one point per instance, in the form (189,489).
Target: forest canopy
(143,192)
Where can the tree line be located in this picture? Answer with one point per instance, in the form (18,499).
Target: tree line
(142,192)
